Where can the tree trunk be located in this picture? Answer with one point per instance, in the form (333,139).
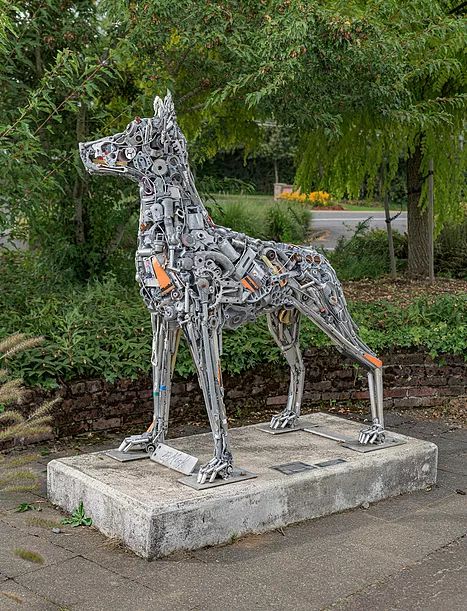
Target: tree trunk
(392,257)
(79,184)
(276,171)
(431,220)
(417,219)
(384,191)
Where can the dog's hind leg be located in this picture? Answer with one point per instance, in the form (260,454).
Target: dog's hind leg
(284,326)
(354,347)
(204,340)
(165,339)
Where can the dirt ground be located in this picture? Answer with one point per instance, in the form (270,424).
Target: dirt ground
(401,291)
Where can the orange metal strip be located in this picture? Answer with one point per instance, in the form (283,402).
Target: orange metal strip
(373,359)
(246,283)
(161,274)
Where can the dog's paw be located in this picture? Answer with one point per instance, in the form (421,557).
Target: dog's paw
(373,434)
(216,467)
(284,420)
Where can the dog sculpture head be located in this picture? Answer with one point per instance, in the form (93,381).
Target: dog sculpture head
(142,149)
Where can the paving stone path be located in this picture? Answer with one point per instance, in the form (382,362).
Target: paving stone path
(406,553)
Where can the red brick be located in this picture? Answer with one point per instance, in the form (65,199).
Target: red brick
(436,381)
(106,423)
(361,394)
(423,391)
(280,400)
(451,391)
(396,392)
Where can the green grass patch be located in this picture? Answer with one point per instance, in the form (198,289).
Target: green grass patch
(259,216)
(26,554)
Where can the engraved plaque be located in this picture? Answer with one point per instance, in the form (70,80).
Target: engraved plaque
(291,468)
(174,459)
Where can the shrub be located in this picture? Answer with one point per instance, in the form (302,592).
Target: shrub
(366,255)
(214,184)
(242,218)
(103,331)
(451,250)
(13,424)
(287,223)
(263,218)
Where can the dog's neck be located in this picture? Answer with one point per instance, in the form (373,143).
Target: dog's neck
(175,203)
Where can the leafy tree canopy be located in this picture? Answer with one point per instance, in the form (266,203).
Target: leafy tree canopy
(360,80)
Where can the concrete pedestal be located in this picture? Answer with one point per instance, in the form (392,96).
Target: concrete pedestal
(143,503)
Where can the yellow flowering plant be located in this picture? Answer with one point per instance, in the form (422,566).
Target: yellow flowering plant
(317,198)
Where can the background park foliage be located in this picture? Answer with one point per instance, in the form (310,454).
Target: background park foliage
(351,98)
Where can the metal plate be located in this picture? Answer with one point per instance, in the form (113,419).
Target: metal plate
(291,468)
(126,456)
(321,432)
(372,447)
(329,463)
(266,429)
(174,459)
(238,475)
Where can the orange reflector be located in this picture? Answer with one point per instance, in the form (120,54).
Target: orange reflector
(373,359)
(161,274)
(249,284)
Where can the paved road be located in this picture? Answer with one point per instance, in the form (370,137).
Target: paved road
(405,553)
(331,225)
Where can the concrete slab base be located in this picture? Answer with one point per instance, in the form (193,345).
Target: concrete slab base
(143,504)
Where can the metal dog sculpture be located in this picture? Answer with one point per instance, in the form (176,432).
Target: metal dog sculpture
(200,278)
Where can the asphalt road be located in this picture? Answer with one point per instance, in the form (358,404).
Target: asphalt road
(329,226)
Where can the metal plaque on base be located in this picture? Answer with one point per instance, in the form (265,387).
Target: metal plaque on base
(266,429)
(238,475)
(291,468)
(126,456)
(174,459)
(390,442)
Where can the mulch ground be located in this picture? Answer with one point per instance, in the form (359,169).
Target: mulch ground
(401,291)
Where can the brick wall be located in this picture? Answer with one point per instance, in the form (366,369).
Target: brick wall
(411,380)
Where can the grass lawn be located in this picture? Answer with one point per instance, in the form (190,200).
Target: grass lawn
(257,200)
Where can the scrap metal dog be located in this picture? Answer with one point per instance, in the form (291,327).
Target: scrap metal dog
(200,278)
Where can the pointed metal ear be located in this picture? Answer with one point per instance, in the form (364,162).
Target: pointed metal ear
(169,108)
(157,104)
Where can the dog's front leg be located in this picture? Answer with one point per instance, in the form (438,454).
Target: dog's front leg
(165,339)
(204,339)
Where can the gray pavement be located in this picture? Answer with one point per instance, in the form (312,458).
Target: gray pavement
(331,225)
(406,553)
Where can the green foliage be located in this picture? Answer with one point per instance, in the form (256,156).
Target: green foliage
(22,507)
(103,331)
(13,424)
(214,184)
(431,59)
(365,254)
(360,81)
(451,250)
(56,66)
(288,222)
(78,517)
(262,217)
